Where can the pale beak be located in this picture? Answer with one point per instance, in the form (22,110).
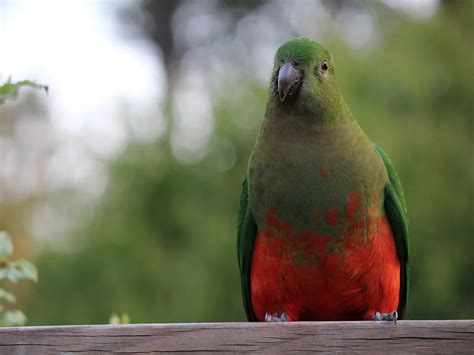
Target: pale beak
(288,80)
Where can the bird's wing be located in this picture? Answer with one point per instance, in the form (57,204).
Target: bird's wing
(395,208)
(247,230)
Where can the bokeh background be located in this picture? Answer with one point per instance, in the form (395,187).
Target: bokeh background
(122,184)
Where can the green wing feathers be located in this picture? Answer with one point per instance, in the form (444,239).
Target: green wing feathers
(395,207)
(247,230)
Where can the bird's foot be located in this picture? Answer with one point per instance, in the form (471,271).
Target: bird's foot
(392,316)
(269,318)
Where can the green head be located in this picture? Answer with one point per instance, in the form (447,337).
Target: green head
(304,82)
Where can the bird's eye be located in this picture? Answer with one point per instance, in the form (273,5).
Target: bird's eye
(324,65)
(295,64)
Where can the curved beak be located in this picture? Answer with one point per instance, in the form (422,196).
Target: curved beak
(288,80)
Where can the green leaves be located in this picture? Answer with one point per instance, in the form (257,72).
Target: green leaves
(10,90)
(123,319)
(12,271)
(19,270)
(6,245)
(7,296)
(12,318)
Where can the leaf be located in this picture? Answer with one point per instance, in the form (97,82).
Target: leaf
(7,296)
(123,319)
(15,317)
(24,270)
(114,319)
(10,273)
(19,270)
(6,245)
(10,90)
(27,268)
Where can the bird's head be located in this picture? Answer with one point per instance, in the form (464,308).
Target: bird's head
(304,74)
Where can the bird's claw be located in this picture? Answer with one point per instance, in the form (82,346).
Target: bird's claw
(269,318)
(392,316)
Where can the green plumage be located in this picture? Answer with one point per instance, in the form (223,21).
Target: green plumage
(245,238)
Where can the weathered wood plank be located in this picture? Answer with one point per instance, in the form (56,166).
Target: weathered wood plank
(454,337)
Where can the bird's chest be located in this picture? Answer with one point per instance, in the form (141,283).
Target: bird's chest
(318,184)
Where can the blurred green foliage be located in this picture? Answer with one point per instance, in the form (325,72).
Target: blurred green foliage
(21,269)
(161,244)
(12,271)
(9,90)
(122,319)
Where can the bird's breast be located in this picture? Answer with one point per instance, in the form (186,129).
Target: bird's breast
(310,177)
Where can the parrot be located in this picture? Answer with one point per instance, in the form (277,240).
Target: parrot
(322,227)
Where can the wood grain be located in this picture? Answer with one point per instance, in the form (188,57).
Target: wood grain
(451,336)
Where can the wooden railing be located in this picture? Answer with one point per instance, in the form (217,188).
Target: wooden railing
(451,336)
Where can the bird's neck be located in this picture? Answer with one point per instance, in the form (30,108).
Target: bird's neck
(308,111)
(285,123)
